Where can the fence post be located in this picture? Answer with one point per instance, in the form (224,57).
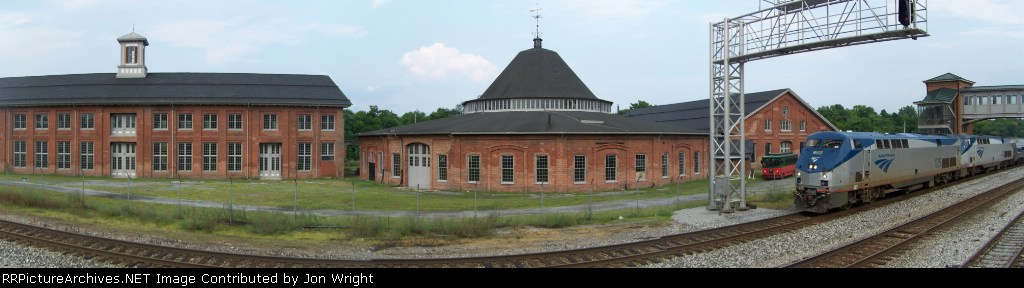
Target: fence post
(417,200)
(636,186)
(40,180)
(590,202)
(82,195)
(295,201)
(231,210)
(179,196)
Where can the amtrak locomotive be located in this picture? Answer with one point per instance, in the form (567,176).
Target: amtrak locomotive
(840,169)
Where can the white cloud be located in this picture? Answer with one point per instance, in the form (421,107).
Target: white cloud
(378,3)
(228,40)
(371,88)
(436,62)
(14,19)
(49,44)
(1005,12)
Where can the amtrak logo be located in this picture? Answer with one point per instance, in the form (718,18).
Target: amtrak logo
(815,159)
(884,161)
(981,151)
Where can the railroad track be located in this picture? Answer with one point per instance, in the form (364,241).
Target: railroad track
(879,250)
(1004,250)
(622,255)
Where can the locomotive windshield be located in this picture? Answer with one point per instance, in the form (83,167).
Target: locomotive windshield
(825,143)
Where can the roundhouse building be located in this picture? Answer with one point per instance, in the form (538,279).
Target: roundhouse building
(537,126)
(191,125)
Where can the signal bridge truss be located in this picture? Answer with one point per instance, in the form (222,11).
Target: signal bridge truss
(783,28)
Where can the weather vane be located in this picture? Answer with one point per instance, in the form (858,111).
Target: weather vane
(536,17)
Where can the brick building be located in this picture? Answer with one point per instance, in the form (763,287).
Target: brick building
(190,125)
(776,121)
(537,126)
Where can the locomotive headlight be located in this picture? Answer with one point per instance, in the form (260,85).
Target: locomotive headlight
(798,174)
(824,176)
(812,166)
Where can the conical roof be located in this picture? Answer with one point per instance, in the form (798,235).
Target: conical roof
(537,73)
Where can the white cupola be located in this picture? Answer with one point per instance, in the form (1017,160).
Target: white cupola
(133,56)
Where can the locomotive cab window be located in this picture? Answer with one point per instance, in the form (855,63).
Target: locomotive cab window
(857,144)
(827,143)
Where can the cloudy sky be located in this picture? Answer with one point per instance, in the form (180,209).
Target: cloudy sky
(406,55)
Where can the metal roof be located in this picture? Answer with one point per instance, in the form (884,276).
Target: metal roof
(172,88)
(943,95)
(537,73)
(994,88)
(133,37)
(948,77)
(695,114)
(534,122)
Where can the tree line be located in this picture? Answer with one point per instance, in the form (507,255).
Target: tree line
(861,118)
(376,119)
(864,119)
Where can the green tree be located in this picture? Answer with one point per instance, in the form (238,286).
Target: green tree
(445,112)
(836,114)
(639,104)
(366,121)
(413,117)
(1000,127)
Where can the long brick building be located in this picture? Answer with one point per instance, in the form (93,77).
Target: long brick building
(191,125)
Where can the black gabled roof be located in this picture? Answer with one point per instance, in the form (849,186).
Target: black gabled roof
(695,114)
(534,122)
(537,73)
(173,88)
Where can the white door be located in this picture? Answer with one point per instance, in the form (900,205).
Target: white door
(270,160)
(122,160)
(419,166)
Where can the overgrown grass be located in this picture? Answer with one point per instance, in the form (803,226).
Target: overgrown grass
(346,194)
(266,223)
(336,195)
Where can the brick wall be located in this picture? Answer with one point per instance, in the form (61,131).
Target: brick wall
(561,152)
(251,135)
(756,132)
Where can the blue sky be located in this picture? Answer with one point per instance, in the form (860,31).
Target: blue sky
(406,55)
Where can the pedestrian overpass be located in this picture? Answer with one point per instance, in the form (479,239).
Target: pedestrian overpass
(986,102)
(953,99)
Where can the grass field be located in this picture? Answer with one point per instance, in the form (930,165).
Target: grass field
(334,194)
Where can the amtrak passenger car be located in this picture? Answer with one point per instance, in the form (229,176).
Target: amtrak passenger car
(839,169)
